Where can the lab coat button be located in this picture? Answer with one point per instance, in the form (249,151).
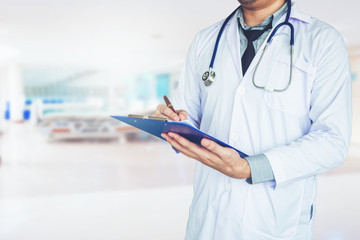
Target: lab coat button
(228,186)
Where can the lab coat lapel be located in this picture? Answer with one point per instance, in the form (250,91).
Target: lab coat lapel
(233,39)
(255,61)
(233,42)
(295,14)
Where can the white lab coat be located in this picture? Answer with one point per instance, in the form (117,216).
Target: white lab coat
(303,131)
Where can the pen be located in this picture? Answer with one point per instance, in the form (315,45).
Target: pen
(168,104)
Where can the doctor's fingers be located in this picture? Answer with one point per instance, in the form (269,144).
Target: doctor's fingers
(202,154)
(182,114)
(178,146)
(164,111)
(221,152)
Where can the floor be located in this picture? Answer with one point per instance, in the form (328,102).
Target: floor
(128,190)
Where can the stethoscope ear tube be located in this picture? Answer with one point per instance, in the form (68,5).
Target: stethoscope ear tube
(268,88)
(209,76)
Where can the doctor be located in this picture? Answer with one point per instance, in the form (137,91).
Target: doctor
(288,108)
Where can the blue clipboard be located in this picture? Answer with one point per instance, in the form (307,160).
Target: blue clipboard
(155,127)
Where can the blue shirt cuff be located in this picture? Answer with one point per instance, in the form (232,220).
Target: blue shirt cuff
(260,168)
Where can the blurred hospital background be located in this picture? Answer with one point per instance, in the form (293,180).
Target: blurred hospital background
(69,171)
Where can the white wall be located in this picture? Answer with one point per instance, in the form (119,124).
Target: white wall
(355,68)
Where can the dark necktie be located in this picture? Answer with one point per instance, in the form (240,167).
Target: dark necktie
(249,53)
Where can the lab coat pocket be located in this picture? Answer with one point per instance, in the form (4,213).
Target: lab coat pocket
(273,212)
(295,99)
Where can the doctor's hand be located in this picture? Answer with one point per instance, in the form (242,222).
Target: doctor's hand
(222,159)
(165,112)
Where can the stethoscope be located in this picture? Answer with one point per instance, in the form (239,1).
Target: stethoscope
(209,76)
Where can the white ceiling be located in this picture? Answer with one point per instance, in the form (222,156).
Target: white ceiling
(131,35)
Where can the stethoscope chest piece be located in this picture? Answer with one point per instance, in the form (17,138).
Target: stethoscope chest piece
(208,77)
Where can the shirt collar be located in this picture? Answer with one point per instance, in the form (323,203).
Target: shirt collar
(295,14)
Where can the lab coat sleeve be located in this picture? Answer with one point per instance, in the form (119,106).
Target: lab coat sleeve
(188,94)
(326,144)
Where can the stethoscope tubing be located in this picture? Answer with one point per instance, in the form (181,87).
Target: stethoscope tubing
(286,22)
(208,81)
(219,37)
(277,28)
